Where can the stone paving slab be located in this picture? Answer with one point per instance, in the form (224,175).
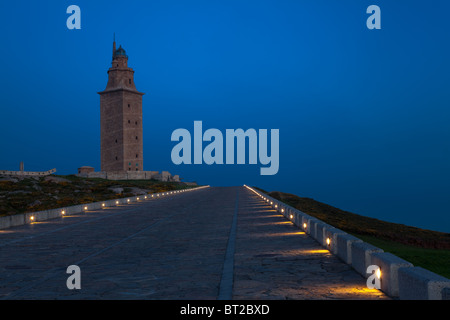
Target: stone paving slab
(174,248)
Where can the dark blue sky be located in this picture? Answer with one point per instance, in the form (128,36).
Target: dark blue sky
(363,114)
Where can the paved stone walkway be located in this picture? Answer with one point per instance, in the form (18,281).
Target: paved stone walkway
(214,243)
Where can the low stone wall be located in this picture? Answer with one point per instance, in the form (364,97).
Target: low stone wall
(28,218)
(399,278)
(131,175)
(27,173)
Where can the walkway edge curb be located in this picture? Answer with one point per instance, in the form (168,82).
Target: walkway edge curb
(360,255)
(29,218)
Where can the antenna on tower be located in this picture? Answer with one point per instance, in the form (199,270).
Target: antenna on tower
(114,46)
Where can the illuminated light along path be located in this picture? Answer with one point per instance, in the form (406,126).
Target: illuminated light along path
(213,243)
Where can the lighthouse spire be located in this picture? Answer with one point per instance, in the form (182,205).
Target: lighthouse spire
(114,46)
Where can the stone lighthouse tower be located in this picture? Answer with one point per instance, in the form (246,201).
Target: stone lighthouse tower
(121,118)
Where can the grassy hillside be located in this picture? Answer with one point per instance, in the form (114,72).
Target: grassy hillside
(31,194)
(425,248)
